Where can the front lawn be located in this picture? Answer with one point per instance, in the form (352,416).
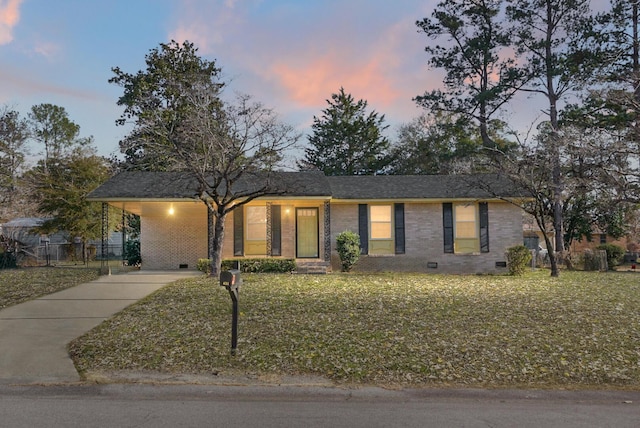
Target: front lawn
(20,285)
(581,330)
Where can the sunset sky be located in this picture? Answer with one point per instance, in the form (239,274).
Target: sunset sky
(289,54)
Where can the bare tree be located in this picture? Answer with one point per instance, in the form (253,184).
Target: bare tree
(230,147)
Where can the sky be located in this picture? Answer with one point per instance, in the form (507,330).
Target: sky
(291,55)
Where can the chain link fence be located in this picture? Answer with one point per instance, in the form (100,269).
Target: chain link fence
(60,254)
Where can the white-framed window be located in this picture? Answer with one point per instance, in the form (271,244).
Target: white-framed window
(256,223)
(466,228)
(381,221)
(466,222)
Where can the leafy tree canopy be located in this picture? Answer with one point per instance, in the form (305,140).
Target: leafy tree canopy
(163,93)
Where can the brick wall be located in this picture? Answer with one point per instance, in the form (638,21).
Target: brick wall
(168,241)
(424,240)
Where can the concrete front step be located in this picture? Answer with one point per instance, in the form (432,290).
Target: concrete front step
(312,267)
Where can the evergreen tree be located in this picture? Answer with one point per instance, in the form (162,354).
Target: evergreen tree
(552,38)
(472,48)
(13,139)
(61,190)
(346,140)
(50,126)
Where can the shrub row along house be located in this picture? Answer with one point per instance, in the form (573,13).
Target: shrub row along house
(447,224)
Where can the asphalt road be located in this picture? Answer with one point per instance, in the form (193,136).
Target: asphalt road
(126,405)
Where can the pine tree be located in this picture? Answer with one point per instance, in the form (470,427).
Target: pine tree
(346,140)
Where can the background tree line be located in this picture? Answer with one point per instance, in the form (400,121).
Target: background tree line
(46,170)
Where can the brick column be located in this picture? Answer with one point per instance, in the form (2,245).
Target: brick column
(327,231)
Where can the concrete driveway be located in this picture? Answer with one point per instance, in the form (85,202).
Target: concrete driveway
(34,335)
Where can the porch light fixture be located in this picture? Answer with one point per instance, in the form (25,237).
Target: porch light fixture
(171,210)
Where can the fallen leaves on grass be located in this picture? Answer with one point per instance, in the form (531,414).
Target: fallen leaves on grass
(20,285)
(582,329)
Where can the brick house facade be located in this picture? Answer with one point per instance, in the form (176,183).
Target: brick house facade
(439,224)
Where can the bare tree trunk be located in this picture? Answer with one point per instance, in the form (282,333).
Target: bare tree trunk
(635,79)
(557,206)
(216,243)
(210,232)
(555,143)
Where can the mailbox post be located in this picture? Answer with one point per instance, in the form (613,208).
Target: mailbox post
(230,279)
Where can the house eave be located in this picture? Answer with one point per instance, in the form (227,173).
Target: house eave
(422,200)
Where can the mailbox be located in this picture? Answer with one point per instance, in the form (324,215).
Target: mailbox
(230,278)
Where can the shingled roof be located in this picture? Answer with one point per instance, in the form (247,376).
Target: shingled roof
(478,186)
(181,185)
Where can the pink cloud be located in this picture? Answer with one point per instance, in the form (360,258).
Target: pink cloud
(387,74)
(9,17)
(310,83)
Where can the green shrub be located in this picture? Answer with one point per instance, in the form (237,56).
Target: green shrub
(518,259)
(204,265)
(615,254)
(263,265)
(7,260)
(348,247)
(591,260)
(132,253)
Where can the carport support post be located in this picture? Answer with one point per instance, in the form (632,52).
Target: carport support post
(124,236)
(104,268)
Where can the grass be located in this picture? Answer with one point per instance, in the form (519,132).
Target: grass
(20,285)
(581,330)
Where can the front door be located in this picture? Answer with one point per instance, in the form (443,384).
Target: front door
(307,232)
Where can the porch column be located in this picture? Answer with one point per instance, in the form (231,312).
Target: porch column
(124,236)
(327,231)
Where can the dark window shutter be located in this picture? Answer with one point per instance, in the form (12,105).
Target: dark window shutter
(484,227)
(447,224)
(238,232)
(363,227)
(399,227)
(276,231)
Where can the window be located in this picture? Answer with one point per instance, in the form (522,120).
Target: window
(256,223)
(466,228)
(603,238)
(380,221)
(381,229)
